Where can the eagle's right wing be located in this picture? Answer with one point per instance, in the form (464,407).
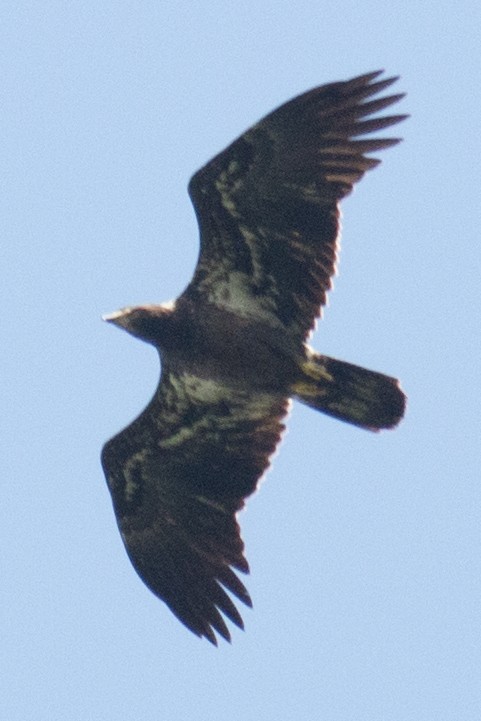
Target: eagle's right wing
(178,475)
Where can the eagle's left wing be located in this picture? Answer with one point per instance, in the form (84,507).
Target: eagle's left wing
(178,475)
(267,206)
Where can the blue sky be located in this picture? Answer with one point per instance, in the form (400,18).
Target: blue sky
(365,549)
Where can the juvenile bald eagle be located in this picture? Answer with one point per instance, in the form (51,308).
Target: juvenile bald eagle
(234,347)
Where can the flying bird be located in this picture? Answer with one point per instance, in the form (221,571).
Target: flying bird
(234,347)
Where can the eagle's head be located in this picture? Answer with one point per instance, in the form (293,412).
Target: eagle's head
(150,323)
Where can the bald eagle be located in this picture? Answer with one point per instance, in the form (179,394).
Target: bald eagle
(234,347)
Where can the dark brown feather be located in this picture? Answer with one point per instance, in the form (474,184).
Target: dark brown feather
(233,347)
(267,206)
(178,475)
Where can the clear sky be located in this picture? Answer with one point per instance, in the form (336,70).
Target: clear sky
(365,549)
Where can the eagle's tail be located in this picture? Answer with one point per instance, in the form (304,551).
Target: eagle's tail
(365,398)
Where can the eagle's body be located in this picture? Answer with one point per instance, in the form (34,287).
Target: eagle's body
(217,344)
(234,348)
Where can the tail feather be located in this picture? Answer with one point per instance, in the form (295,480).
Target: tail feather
(353,394)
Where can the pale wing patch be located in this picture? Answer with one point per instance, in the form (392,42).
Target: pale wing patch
(131,474)
(188,389)
(232,290)
(237,291)
(227,186)
(210,392)
(206,390)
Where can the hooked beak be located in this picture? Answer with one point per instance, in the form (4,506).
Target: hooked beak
(112,317)
(118,317)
